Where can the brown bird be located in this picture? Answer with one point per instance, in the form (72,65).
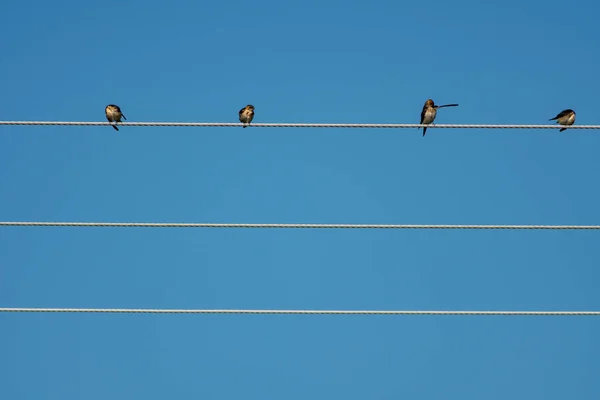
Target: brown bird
(565,117)
(246,115)
(429,113)
(114,114)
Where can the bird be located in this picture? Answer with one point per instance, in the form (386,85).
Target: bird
(565,117)
(246,115)
(429,113)
(114,114)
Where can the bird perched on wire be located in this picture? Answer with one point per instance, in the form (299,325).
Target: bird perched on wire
(114,114)
(429,113)
(246,115)
(565,117)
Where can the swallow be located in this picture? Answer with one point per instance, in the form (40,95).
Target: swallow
(246,115)
(565,117)
(429,113)
(114,114)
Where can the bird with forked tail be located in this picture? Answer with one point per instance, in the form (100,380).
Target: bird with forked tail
(429,113)
(565,117)
(246,115)
(114,114)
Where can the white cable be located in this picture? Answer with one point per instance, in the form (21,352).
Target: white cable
(298,125)
(291,226)
(310,312)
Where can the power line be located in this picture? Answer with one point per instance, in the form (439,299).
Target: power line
(289,226)
(288,312)
(297,125)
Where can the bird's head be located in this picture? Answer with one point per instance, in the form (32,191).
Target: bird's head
(429,103)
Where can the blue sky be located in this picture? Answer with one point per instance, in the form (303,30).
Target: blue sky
(512,62)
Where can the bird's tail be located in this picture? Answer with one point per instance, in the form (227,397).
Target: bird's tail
(448,105)
(563,129)
(114,126)
(424,130)
(244,126)
(552,119)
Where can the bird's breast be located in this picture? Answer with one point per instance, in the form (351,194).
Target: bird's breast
(567,119)
(430,114)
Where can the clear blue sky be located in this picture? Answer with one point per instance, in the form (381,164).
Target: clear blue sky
(509,62)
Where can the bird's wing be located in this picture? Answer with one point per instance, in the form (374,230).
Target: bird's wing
(423,114)
(561,114)
(448,105)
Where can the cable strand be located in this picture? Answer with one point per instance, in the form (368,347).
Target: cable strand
(299,125)
(289,226)
(296,312)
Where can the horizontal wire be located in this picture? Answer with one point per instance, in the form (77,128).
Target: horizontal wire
(282,312)
(298,125)
(289,226)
